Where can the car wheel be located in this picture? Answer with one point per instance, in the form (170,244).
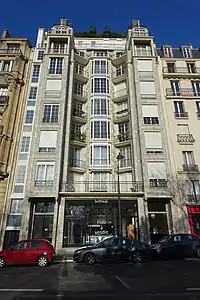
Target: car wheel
(42,261)
(2,262)
(137,257)
(89,259)
(197,252)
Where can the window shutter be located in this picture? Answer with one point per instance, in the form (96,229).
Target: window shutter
(150,110)
(153,140)
(48,139)
(156,170)
(53,85)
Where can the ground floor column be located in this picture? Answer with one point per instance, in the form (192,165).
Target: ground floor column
(60,225)
(25,220)
(143,220)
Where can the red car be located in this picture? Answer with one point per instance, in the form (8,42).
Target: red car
(34,251)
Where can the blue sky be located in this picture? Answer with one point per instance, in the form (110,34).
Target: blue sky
(175,22)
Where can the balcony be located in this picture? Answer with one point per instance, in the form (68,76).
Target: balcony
(185,139)
(4,100)
(10,51)
(120,95)
(121,116)
(119,58)
(80,95)
(78,138)
(14,221)
(79,165)
(44,183)
(79,116)
(119,76)
(140,52)
(122,139)
(81,58)
(190,168)
(193,199)
(181,115)
(57,51)
(182,93)
(81,75)
(157,183)
(102,186)
(174,72)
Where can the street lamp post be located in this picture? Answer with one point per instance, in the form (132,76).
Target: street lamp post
(119,158)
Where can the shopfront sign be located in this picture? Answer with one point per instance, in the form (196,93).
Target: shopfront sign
(101,201)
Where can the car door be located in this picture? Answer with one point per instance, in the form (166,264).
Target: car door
(17,253)
(123,250)
(176,246)
(109,249)
(34,250)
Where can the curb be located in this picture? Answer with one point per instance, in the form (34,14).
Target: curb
(63,261)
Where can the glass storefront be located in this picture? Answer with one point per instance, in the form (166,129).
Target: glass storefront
(91,221)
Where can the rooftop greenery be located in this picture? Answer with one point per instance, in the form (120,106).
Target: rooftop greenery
(107,33)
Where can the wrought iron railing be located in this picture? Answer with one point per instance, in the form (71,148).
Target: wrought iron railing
(158,182)
(190,168)
(185,138)
(43,182)
(182,92)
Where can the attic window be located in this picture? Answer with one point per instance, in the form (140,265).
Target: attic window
(186,52)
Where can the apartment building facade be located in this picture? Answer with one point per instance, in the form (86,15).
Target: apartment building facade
(91,99)
(14,68)
(180,70)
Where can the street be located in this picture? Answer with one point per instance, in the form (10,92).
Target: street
(146,281)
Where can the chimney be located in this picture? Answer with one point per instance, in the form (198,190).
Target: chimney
(64,22)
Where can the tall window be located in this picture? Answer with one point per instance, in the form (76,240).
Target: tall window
(175,86)
(55,66)
(79,69)
(75,157)
(171,67)
(45,172)
(100,85)
(78,88)
(100,182)
(191,67)
(25,144)
(100,67)
(127,160)
(120,70)
(50,113)
(100,155)
(33,93)
(20,176)
(16,206)
(100,106)
(167,51)
(40,55)
(36,73)
(198,108)
(29,116)
(196,88)
(143,50)
(6,65)
(59,48)
(179,109)
(188,159)
(100,129)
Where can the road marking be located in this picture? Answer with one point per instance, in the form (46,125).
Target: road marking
(21,290)
(122,282)
(67,260)
(193,289)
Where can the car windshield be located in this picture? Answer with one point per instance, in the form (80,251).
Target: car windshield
(102,242)
(164,239)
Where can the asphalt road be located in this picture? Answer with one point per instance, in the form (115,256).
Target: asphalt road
(150,280)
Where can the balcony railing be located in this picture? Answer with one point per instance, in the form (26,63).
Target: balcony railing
(185,138)
(82,72)
(158,182)
(78,113)
(121,114)
(77,163)
(14,220)
(82,54)
(194,199)
(182,92)
(81,93)
(10,51)
(57,51)
(4,100)
(78,136)
(120,93)
(181,114)
(123,137)
(190,168)
(100,162)
(44,183)
(177,70)
(139,52)
(102,186)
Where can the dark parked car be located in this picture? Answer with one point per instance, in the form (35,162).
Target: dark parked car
(35,251)
(177,246)
(113,249)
